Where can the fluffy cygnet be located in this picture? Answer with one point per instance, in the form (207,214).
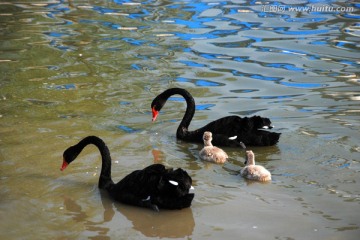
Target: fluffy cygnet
(252,171)
(211,153)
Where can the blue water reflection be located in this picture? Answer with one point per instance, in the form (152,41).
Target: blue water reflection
(198,107)
(219,37)
(209,35)
(127,129)
(192,63)
(302,32)
(199,82)
(303,85)
(289,67)
(191,15)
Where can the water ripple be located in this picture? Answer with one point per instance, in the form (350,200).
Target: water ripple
(303,85)
(199,82)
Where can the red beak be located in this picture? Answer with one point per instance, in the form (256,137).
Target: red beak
(64,165)
(155,113)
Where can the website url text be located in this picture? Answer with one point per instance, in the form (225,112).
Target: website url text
(312,8)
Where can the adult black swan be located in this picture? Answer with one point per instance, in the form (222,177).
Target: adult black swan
(153,187)
(227,131)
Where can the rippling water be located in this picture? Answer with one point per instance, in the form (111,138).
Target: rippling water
(76,68)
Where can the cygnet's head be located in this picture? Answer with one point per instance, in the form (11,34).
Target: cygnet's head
(207,136)
(250,158)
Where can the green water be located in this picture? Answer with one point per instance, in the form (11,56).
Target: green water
(77,68)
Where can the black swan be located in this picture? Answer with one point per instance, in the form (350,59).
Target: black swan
(211,153)
(153,187)
(227,131)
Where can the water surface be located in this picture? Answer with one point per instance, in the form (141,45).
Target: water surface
(77,68)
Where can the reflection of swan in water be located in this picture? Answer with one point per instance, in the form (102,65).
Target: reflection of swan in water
(167,224)
(80,216)
(158,155)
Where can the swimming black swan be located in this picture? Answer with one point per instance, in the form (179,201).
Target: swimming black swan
(153,187)
(211,153)
(227,131)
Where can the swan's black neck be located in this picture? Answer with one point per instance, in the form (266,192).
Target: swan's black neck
(190,109)
(105,180)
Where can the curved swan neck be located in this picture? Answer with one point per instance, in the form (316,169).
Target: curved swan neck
(190,107)
(105,175)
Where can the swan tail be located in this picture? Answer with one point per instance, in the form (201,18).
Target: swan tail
(271,138)
(261,138)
